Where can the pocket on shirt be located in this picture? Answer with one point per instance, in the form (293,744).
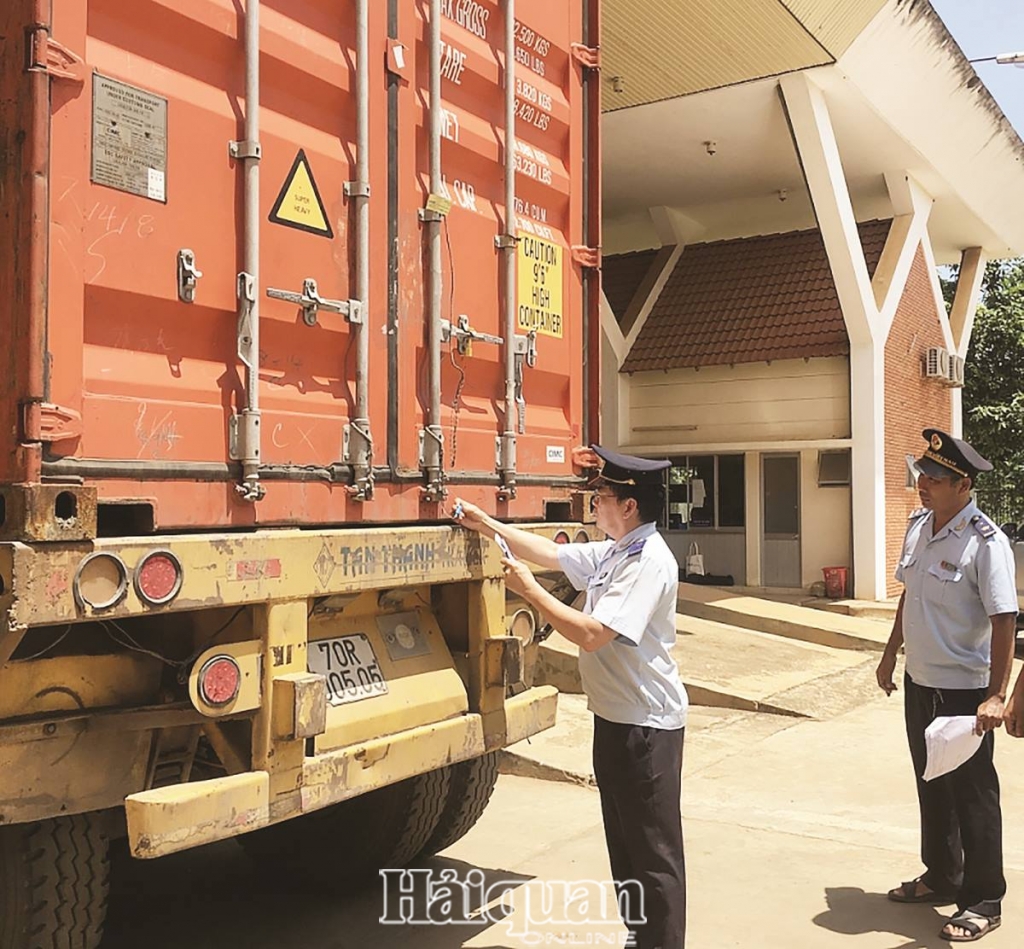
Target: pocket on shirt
(906,562)
(947,580)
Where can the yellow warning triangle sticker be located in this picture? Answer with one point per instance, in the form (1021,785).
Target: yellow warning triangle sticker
(299,204)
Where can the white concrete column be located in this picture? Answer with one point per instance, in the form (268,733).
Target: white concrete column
(867,460)
(968,296)
(613,386)
(868,307)
(961,320)
(752,513)
(819,154)
(616,387)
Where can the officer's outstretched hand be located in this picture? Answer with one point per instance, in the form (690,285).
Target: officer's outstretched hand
(884,672)
(468,515)
(518,577)
(1014,717)
(991,713)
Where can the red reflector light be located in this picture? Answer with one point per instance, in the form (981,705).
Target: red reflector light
(561,537)
(219,680)
(158,577)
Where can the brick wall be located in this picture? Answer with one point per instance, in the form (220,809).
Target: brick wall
(912,402)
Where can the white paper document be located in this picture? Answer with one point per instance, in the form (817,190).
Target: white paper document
(950,741)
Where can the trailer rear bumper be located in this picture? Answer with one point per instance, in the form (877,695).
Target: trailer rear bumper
(166,820)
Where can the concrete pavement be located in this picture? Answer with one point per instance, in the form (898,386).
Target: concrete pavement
(795,828)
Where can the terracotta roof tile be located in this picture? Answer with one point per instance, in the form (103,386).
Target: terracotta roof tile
(621,275)
(749,300)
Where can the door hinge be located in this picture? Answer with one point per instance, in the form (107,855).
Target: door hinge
(587,56)
(46,422)
(45,54)
(587,257)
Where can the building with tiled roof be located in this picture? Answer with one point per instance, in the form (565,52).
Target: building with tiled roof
(782,180)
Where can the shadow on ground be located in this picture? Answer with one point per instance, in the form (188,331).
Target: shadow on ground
(215,896)
(853,912)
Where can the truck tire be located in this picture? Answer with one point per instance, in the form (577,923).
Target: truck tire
(469,791)
(347,843)
(54,883)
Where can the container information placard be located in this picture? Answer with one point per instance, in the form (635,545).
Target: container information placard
(540,286)
(129,139)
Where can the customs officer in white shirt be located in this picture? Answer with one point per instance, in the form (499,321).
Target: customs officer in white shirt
(626,632)
(956,619)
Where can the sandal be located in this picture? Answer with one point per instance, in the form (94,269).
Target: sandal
(968,920)
(907,893)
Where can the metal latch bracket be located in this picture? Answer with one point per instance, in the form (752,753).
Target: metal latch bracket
(587,56)
(188,275)
(245,149)
(587,257)
(45,54)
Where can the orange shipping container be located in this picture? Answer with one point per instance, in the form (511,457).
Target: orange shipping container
(329,307)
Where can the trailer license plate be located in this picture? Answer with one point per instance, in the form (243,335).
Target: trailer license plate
(350,667)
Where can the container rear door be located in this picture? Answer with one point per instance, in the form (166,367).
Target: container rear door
(142,171)
(549,214)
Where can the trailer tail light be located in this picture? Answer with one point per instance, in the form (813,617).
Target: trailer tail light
(220,678)
(100,582)
(582,537)
(158,577)
(561,537)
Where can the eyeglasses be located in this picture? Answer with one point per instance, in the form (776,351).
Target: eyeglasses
(601,496)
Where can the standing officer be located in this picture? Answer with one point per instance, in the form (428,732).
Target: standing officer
(956,617)
(625,632)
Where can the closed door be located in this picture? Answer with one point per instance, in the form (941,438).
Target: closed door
(781,506)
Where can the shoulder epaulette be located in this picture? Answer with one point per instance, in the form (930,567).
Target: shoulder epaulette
(984,526)
(635,548)
(916,513)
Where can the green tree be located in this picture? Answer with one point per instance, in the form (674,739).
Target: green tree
(994,388)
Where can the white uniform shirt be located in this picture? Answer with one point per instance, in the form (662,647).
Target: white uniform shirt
(631,585)
(955,580)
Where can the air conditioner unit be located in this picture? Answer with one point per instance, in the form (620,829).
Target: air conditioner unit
(956,370)
(936,364)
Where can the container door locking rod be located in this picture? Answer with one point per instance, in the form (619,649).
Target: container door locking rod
(311,303)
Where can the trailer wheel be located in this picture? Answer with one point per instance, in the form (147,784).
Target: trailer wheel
(54,883)
(470,789)
(347,843)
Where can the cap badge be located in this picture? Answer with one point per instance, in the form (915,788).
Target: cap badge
(936,442)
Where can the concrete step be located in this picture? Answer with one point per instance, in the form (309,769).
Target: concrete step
(726,666)
(883,611)
(782,619)
(563,753)
(730,667)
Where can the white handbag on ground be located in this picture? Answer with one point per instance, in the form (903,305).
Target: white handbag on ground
(695,560)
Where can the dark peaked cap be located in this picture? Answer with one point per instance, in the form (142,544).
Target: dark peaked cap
(946,455)
(628,469)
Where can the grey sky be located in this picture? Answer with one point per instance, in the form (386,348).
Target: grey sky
(985,28)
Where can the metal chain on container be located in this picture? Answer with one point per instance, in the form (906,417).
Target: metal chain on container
(456,364)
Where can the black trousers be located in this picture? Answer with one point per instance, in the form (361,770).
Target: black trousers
(961,823)
(639,775)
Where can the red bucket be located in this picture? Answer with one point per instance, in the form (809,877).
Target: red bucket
(835,582)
